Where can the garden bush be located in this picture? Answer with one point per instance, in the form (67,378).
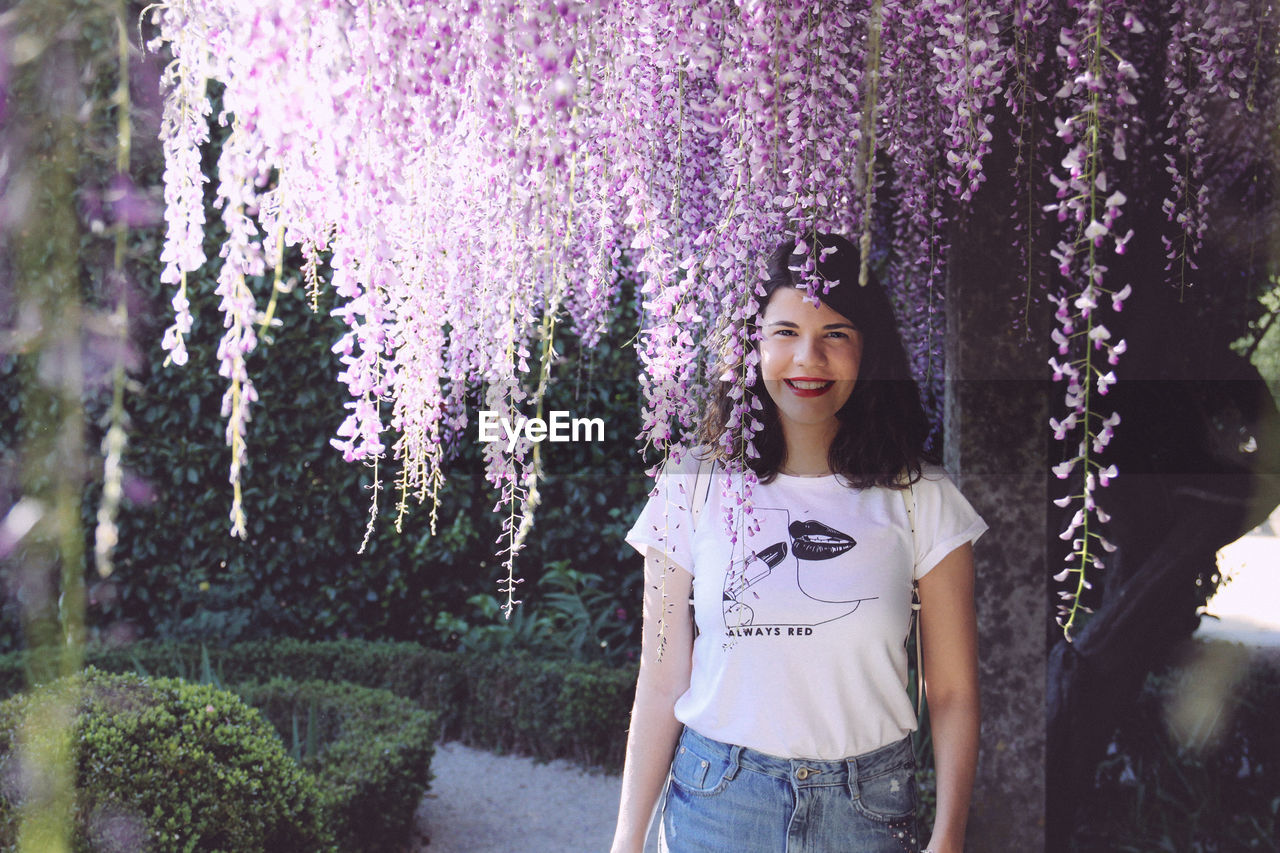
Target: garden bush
(369,750)
(162,764)
(1213,788)
(513,702)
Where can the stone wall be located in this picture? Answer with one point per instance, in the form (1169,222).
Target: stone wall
(997,410)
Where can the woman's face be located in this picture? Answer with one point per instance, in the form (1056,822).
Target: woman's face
(809,358)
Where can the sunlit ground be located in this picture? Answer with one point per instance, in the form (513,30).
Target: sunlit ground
(1248,605)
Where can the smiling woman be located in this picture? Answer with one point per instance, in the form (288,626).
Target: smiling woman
(808,599)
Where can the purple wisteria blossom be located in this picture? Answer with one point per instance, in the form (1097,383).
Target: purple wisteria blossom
(488,168)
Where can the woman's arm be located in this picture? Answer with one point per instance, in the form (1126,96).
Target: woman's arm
(665,663)
(949,634)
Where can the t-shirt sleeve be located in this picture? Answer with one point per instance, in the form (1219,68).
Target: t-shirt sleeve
(666,522)
(944,520)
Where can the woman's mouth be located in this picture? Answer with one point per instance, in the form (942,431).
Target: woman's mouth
(806,387)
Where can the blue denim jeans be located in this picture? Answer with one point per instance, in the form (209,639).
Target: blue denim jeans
(722,798)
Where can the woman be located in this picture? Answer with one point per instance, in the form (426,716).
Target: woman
(785,725)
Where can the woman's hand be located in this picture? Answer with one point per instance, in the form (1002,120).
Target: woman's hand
(949,634)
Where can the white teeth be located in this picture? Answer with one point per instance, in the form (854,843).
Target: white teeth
(808,385)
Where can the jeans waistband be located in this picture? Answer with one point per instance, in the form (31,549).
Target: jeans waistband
(803,772)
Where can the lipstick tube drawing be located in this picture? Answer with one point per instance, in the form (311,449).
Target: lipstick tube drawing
(755,568)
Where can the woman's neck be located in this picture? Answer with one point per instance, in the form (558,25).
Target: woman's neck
(807,447)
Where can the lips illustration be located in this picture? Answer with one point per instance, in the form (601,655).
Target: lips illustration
(813,540)
(770,587)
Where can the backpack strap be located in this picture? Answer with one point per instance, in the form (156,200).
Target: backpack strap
(701,487)
(701,491)
(909,500)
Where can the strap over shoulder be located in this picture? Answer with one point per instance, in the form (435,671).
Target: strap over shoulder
(909,501)
(701,487)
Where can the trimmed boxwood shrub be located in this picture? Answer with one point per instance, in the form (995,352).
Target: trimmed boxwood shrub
(369,750)
(164,765)
(545,708)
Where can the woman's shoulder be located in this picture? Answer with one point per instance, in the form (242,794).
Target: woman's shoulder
(929,475)
(686,462)
(936,486)
(929,472)
(933,480)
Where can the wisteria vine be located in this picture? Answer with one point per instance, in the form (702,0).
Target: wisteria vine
(484,167)
(1089,204)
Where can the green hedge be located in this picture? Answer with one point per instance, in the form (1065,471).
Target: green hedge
(165,765)
(369,750)
(547,709)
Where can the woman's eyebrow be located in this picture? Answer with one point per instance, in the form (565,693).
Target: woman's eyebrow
(792,325)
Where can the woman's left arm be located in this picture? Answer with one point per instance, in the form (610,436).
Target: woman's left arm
(949,637)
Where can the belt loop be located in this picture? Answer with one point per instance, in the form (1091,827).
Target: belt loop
(851,775)
(735,761)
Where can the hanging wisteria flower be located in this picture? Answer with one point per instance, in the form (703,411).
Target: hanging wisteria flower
(1206,56)
(1097,96)
(477,171)
(973,63)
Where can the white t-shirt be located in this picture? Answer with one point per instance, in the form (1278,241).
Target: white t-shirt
(802,624)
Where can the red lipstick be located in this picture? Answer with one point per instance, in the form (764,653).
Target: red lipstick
(814,389)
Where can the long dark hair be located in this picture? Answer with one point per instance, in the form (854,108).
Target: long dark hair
(883,426)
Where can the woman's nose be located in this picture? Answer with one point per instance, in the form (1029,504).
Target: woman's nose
(809,351)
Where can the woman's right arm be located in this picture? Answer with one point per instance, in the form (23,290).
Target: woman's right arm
(665,663)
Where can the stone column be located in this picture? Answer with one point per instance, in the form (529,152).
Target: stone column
(996,415)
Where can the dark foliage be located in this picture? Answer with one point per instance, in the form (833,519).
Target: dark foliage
(178,574)
(1192,770)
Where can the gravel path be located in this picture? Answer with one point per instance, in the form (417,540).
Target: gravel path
(485,803)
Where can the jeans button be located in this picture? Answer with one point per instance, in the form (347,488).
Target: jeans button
(802,773)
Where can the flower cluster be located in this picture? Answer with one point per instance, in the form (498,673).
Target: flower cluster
(1207,61)
(184,128)
(239,171)
(1032,25)
(1097,96)
(477,170)
(973,62)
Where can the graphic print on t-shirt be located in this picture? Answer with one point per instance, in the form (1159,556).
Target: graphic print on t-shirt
(788,579)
